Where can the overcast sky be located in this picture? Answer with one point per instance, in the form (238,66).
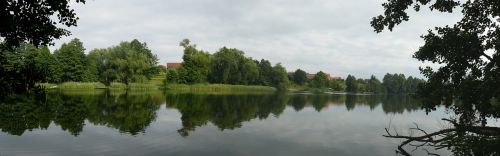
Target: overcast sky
(329,35)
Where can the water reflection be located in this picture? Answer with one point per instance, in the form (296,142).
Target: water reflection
(230,111)
(125,112)
(133,113)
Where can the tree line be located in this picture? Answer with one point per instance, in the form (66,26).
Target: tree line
(27,64)
(226,66)
(133,62)
(391,83)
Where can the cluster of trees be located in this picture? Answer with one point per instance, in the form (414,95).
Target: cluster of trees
(226,66)
(391,83)
(27,64)
(320,80)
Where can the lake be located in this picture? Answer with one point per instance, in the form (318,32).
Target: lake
(157,123)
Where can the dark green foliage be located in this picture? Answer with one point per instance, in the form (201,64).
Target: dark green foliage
(320,80)
(399,84)
(394,83)
(72,62)
(32,21)
(265,72)
(299,77)
(23,67)
(230,66)
(351,84)
(375,86)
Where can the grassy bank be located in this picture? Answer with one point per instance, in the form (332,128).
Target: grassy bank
(220,88)
(200,88)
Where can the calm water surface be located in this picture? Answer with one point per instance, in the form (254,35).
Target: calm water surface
(106,123)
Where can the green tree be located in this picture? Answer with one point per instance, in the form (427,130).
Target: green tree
(195,65)
(375,86)
(351,84)
(361,85)
(172,76)
(299,77)
(337,85)
(265,72)
(320,80)
(279,77)
(127,62)
(25,66)
(230,66)
(394,83)
(73,62)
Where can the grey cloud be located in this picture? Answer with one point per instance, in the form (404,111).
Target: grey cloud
(329,35)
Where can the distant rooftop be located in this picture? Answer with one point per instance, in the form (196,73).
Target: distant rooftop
(173,65)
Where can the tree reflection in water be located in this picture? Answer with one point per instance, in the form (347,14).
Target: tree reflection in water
(126,112)
(230,111)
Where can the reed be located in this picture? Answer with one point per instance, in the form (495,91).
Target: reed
(81,85)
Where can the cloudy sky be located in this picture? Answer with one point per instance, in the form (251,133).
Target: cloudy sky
(329,35)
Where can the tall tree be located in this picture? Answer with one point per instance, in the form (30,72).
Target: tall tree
(320,80)
(299,77)
(265,72)
(196,64)
(351,84)
(375,86)
(279,77)
(72,60)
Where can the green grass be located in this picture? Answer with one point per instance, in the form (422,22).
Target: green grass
(117,86)
(218,88)
(81,86)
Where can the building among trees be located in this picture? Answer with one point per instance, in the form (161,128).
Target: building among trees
(173,65)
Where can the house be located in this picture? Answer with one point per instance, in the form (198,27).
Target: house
(173,65)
